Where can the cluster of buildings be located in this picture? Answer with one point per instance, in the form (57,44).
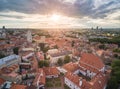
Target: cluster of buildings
(85,71)
(88,73)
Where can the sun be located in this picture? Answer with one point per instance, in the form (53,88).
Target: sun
(55,17)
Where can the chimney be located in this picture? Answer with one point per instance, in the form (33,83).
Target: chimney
(80,81)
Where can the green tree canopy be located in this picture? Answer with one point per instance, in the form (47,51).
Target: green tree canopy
(2,55)
(43,47)
(60,62)
(114,81)
(72,44)
(66,59)
(16,50)
(43,63)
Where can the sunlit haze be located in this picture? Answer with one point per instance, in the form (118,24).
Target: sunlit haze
(55,17)
(60,13)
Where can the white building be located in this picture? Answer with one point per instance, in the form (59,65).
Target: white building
(54,57)
(30,54)
(3,32)
(73,81)
(43,39)
(9,60)
(39,80)
(52,51)
(90,66)
(29,36)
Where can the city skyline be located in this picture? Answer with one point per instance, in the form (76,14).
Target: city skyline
(60,13)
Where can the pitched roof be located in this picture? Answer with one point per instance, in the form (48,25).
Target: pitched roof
(91,60)
(7,59)
(71,67)
(17,86)
(98,82)
(61,53)
(40,77)
(1,81)
(73,77)
(51,71)
(30,87)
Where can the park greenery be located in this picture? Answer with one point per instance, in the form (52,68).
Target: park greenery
(53,83)
(116,50)
(116,56)
(66,59)
(114,81)
(114,40)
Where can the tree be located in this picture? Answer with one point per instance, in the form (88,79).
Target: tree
(46,63)
(45,57)
(43,63)
(2,55)
(55,47)
(116,50)
(66,59)
(114,81)
(15,50)
(102,47)
(60,62)
(115,55)
(72,44)
(43,47)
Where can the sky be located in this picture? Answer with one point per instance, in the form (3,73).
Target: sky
(60,13)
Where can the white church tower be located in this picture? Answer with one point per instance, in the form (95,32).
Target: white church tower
(29,36)
(3,32)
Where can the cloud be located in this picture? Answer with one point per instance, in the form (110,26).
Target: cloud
(75,8)
(79,13)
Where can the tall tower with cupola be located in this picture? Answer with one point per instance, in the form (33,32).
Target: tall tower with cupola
(29,36)
(3,32)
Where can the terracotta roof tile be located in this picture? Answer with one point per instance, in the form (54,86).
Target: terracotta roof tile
(40,77)
(91,61)
(1,81)
(16,86)
(51,71)
(71,67)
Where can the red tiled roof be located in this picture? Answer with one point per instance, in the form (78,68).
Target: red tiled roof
(86,67)
(89,60)
(99,81)
(51,71)
(1,81)
(73,77)
(6,46)
(40,77)
(71,67)
(16,86)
